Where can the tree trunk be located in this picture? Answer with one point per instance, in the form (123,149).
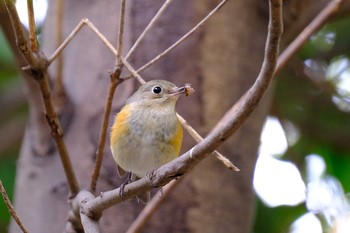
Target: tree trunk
(221,61)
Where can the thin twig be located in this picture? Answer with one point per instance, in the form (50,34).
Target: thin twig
(301,39)
(148,27)
(11,209)
(75,31)
(115,81)
(70,37)
(120,32)
(156,201)
(101,36)
(199,138)
(59,87)
(133,71)
(188,34)
(32,28)
(229,124)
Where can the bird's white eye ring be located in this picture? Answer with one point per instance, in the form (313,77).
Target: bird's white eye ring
(156,89)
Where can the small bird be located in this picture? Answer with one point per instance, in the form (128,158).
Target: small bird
(146,133)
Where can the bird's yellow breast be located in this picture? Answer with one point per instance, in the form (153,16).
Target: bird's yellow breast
(120,127)
(143,139)
(177,140)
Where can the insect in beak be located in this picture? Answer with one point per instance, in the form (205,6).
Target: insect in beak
(186,89)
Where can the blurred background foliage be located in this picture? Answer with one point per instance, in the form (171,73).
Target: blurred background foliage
(312,98)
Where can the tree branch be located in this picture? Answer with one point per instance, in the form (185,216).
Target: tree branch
(90,224)
(32,27)
(34,59)
(151,207)
(11,209)
(115,81)
(120,32)
(199,138)
(148,27)
(56,129)
(232,120)
(183,38)
(37,69)
(58,87)
(301,39)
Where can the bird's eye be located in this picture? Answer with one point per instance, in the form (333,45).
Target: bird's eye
(157,90)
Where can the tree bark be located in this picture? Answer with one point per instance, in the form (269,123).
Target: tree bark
(221,61)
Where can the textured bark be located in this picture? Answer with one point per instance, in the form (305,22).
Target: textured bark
(221,61)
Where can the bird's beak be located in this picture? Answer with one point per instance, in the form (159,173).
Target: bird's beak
(186,89)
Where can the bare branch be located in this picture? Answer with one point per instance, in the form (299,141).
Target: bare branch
(121,32)
(83,22)
(199,138)
(149,26)
(38,71)
(11,209)
(301,39)
(152,206)
(133,71)
(115,81)
(78,220)
(58,88)
(177,43)
(90,223)
(232,120)
(32,28)
(34,59)
(56,130)
(58,51)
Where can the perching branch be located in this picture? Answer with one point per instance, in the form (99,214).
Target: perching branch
(11,209)
(232,120)
(90,224)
